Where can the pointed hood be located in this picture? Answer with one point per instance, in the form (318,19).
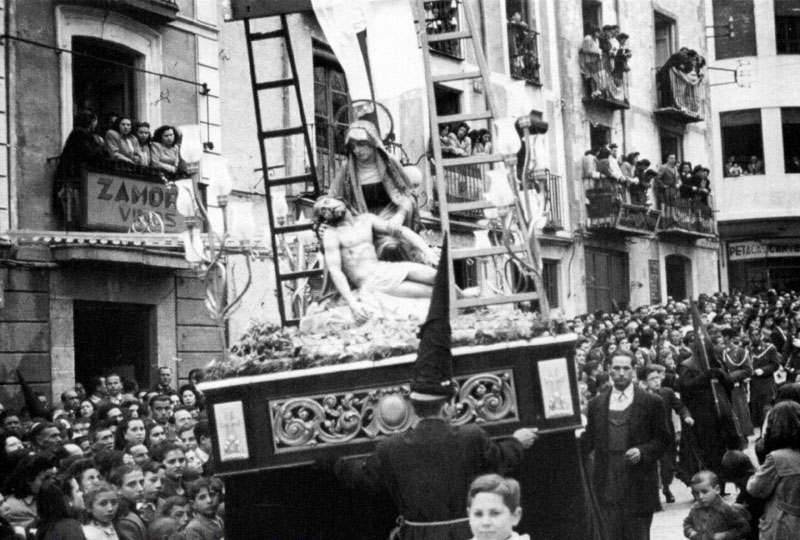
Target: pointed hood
(433,370)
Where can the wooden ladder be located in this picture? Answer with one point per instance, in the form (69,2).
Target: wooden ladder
(523,249)
(300,277)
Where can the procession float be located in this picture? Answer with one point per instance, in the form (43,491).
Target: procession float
(332,379)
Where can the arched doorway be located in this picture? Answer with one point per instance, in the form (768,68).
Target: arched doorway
(679,276)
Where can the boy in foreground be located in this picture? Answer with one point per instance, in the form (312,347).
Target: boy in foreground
(711,518)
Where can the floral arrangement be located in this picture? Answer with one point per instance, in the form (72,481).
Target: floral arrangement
(269,348)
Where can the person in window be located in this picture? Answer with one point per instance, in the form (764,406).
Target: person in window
(121,143)
(80,148)
(754,166)
(462,143)
(731,168)
(518,31)
(165,150)
(483,142)
(142,132)
(374,181)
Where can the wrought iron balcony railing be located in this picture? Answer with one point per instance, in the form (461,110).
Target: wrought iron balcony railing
(680,96)
(608,209)
(441,16)
(687,215)
(523,52)
(603,85)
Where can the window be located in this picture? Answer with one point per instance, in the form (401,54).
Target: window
(99,85)
(523,47)
(787,26)
(599,135)
(742,140)
(330,97)
(665,38)
(592,15)
(607,284)
(441,17)
(550,279)
(671,142)
(466,273)
(744,28)
(790,120)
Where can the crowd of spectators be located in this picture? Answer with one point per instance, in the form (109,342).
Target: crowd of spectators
(753,166)
(603,58)
(678,80)
(633,181)
(118,463)
(753,354)
(461,141)
(120,141)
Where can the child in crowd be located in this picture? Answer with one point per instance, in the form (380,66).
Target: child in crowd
(101,503)
(176,508)
(738,468)
(129,481)
(174,460)
(711,518)
(493,507)
(204,500)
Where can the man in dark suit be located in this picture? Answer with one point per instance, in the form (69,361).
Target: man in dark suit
(628,432)
(653,375)
(427,470)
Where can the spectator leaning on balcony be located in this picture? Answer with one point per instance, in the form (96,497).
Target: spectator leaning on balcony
(462,144)
(667,177)
(590,63)
(685,175)
(518,30)
(121,143)
(142,132)
(165,150)
(608,166)
(80,148)
(623,55)
(628,165)
(483,142)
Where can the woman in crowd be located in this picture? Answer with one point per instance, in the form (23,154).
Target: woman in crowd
(483,143)
(22,486)
(461,142)
(121,143)
(86,410)
(778,478)
(131,431)
(190,398)
(59,503)
(165,150)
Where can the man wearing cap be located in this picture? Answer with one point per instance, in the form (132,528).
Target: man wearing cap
(427,469)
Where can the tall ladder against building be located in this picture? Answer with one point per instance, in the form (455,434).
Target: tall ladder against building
(443,164)
(310,178)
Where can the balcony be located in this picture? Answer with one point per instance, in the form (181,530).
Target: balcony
(680,99)
(608,210)
(689,218)
(146,11)
(111,195)
(465,183)
(605,88)
(441,17)
(547,190)
(523,53)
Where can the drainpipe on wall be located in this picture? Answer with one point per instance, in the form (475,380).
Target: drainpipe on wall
(11,113)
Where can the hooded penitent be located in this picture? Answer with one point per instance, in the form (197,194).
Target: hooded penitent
(433,370)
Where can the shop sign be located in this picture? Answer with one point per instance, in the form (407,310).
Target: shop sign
(743,251)
(113,202)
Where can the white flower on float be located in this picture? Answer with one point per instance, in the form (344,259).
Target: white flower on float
(184,202)
(500,193)
(280,208)
(218,171)
(191,144)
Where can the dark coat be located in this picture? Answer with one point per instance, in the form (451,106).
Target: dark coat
(715,431)
(648,431)
(427,470)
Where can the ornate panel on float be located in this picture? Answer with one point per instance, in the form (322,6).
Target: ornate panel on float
(267,422)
